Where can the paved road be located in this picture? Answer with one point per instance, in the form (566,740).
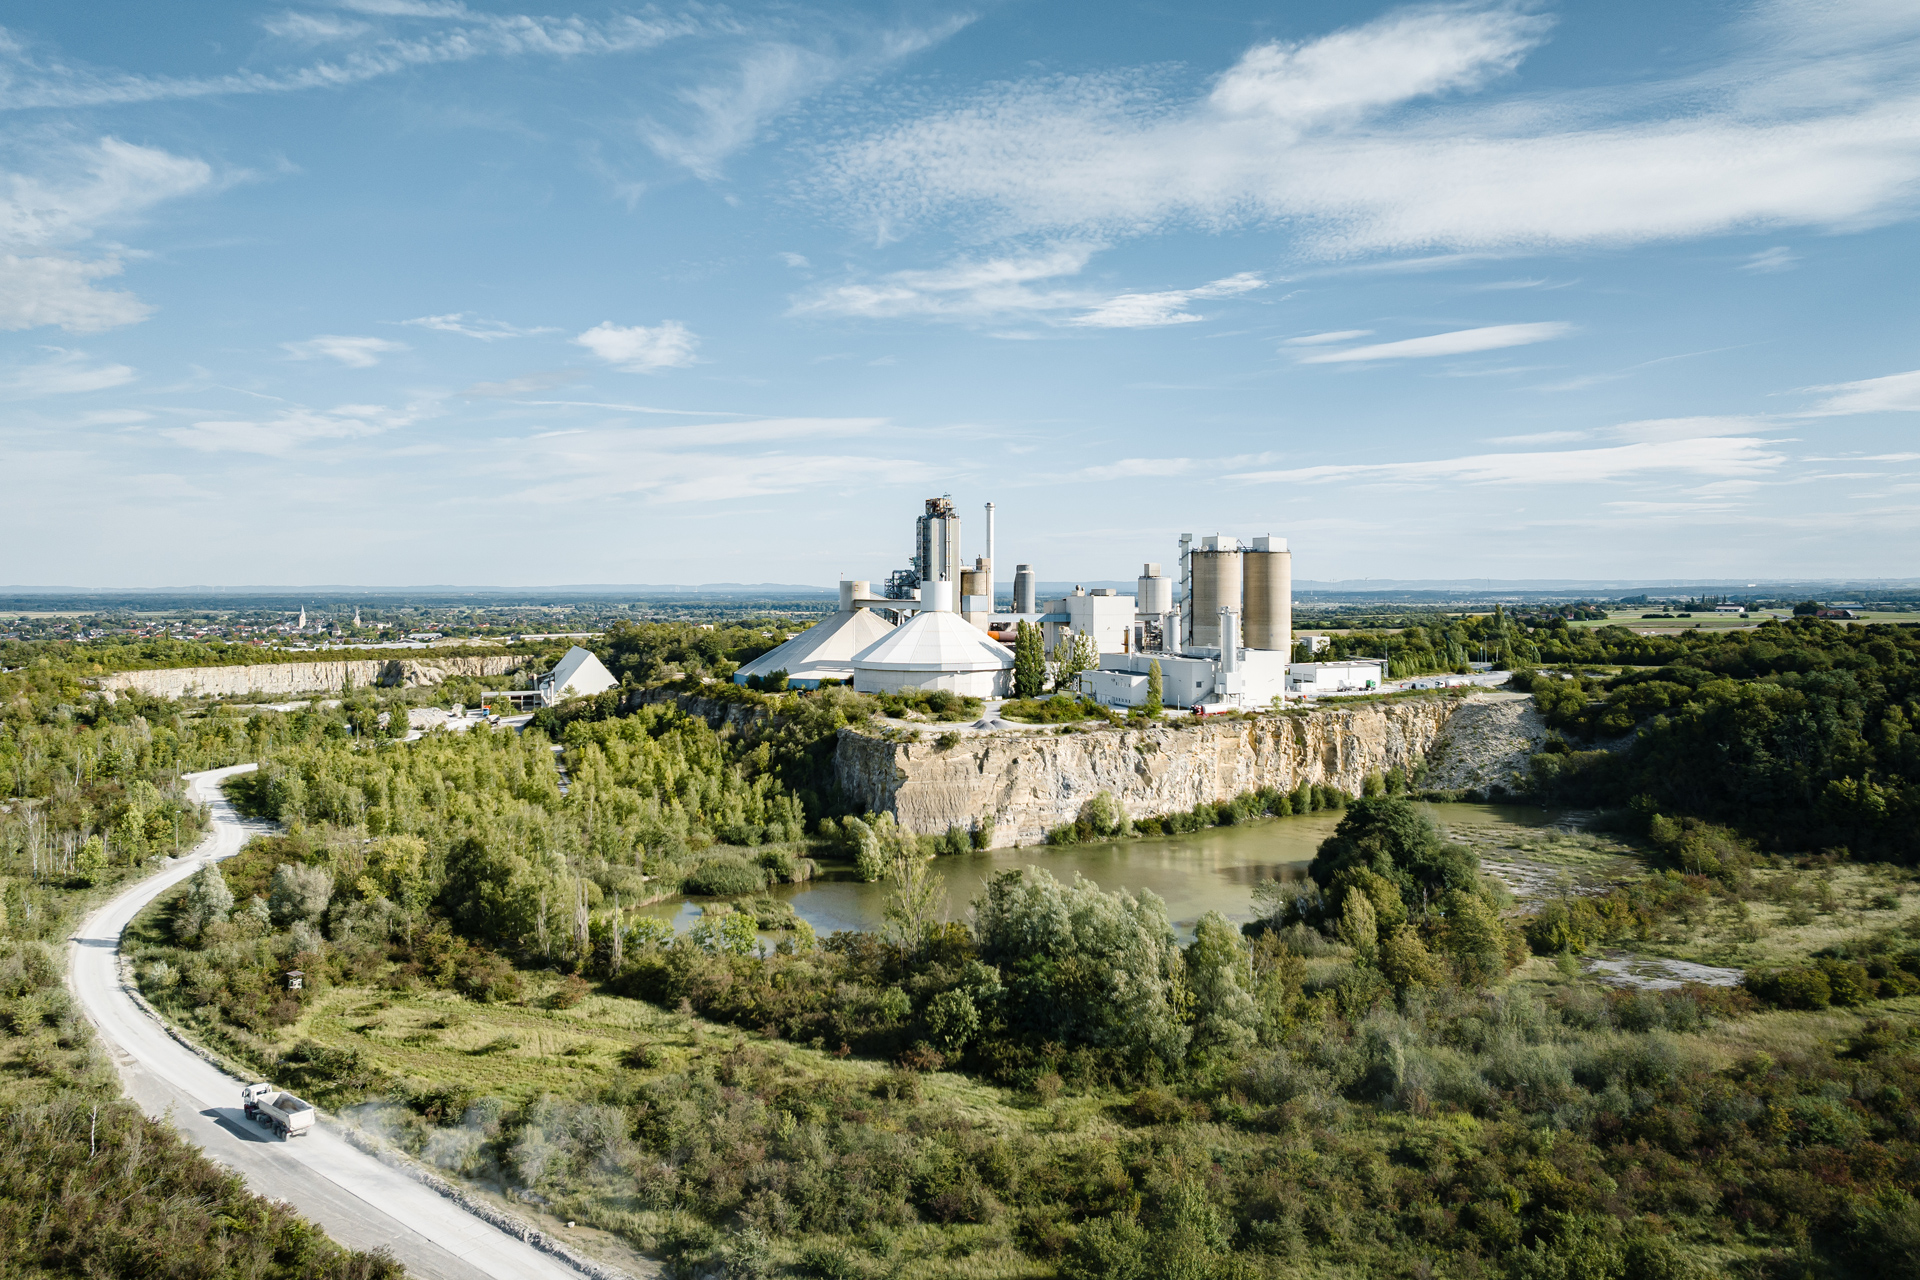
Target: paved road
(359,1201)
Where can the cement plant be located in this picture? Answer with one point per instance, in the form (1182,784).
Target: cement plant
(1219,628)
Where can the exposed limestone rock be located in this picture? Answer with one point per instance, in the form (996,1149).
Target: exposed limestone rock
(1029,783)
(1487,744)
(305,677)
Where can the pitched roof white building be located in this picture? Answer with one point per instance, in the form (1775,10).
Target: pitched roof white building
(936,649)
(577,675)
(823,651)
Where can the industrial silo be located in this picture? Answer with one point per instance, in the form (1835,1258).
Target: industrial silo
(1153,594)
(976,581)
(1269,594)
(1025,592)
(1216,573)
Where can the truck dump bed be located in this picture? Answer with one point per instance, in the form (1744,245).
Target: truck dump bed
(277,1109)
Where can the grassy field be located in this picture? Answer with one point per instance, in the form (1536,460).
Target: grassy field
(1792,914)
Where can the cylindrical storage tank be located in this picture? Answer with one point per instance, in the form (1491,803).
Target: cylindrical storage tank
(1216,585)
(1025,591)
(1153,593)
(852,589)
(937,595)
(1269,595)
(973,582)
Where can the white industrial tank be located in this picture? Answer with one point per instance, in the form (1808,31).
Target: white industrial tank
(1153,594)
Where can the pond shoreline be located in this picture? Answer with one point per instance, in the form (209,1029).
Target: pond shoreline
(1210,870)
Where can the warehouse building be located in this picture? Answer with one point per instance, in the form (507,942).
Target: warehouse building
(825,650)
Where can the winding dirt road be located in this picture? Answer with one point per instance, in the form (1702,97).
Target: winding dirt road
(358,1200)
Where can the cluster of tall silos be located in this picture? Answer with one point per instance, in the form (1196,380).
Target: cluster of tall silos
(1254,581)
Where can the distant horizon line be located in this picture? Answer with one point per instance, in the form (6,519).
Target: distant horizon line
(1480,584)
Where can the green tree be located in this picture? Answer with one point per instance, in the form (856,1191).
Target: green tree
(1029,662)
(206,901)
(1074,654)
(1220,978)
(397,721)
(92,856)
(1156,690)
(1396,840)
(1083,965)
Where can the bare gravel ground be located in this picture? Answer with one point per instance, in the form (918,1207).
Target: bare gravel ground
(1487,744)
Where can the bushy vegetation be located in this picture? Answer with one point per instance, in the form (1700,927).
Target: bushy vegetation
(1424,644)
(1061,708)
(1102,818)
(1358,1082)
(91,1187)
(1801,733)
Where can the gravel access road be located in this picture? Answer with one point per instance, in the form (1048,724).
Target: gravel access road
(358,1201)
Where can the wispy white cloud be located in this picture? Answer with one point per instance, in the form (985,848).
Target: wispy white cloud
(1017,286)
(62,372)
(1724,456)
(1151,310)
(1895,393)
(1457,343)
(55,199)
(998,286)
(1323,339)
(33,80)
(59,290)
(472,326)
(312,28)
(639,349)
(1369,141)
(724,113)
(1661,430)
(355,353)
(289,431)
(1778,258)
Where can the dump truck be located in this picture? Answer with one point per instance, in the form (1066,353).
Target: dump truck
(278,1110)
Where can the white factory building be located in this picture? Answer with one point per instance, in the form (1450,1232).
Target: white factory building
(578,674)
(825,650)
(1226,645)
(1225,642)
(936,649)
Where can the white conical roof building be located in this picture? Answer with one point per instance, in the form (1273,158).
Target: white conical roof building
(578,674)
(823,651)
(936,649)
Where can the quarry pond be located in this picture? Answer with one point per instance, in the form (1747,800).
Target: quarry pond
(1210,870)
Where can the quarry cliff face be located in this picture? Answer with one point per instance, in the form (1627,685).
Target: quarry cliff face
(304,677)
(1029,782)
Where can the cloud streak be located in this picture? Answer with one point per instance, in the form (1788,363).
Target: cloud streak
(55,199)
(472,326)
(1895,393)
(1460,342)
(1015,287)
(355,353)
(1368,141)
(1723,456)
(33,81)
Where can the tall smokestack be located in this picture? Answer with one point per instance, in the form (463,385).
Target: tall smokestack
(989,557)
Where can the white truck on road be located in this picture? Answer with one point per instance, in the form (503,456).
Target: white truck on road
(280,1111)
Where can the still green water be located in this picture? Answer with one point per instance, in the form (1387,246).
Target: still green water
(1211,870)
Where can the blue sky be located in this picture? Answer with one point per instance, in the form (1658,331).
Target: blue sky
(409,291)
